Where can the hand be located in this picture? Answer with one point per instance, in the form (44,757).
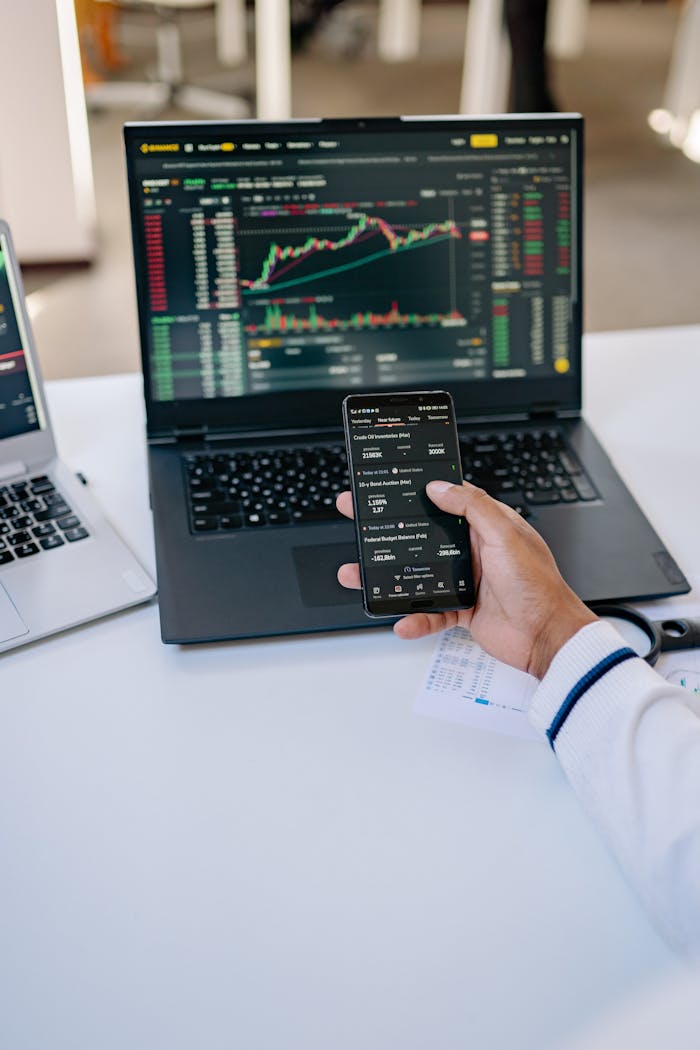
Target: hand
(524,610)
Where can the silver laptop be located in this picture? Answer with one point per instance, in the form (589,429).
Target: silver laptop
(61,562)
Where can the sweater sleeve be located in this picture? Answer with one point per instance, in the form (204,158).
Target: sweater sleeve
(629,744)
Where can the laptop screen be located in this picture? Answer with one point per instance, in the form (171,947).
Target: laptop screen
(19,411)
(279,261)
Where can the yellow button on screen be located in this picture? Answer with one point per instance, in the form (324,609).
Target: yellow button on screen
(483,141)
(561,365)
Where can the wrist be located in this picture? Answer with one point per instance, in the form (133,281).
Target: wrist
(559,628)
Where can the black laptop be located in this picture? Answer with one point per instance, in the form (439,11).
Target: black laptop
(281,266)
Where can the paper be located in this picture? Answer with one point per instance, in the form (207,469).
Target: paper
(464,684)
(680,668)
(685,679)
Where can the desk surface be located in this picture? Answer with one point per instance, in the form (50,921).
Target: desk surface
(260,845)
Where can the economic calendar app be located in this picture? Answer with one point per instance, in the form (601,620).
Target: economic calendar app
(411,550)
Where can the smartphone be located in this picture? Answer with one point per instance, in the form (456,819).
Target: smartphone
(413,557)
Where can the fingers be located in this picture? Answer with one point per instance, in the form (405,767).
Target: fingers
(349,576)
(344,504)
(418,625)
(488,517)
(349,573)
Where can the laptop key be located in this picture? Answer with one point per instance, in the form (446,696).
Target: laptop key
(47,529)
(584,488)
(313,514)
(515,500)
(26,550)
(30,505)
(73,535)
(39,488)
(23,522)
(53,498)
(49,542)
(18,538)
(569,463)
(568,495)
(207,524)
(58,510)
(541,496)
(230,521)
(275,517)
(71,522)
(6,557)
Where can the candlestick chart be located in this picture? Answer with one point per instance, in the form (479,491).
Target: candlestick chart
(287,266)
(368,275)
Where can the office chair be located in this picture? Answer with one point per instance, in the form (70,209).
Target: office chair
(170,87)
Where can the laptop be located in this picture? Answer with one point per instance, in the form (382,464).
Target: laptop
(280,267)
(61,563)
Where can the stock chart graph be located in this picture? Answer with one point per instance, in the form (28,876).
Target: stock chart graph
(368,275)
(304,269)
(276,320)
(281,266)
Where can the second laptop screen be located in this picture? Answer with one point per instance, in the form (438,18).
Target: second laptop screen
(18,409)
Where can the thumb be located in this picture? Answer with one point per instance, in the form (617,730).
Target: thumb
(486,515)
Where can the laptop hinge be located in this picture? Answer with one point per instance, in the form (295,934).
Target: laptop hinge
(171,437)
(543,412)
(190,433)
(9,470)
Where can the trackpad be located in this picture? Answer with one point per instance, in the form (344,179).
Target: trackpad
(11,623)
(317,567)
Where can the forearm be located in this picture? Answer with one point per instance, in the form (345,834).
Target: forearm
(630,746)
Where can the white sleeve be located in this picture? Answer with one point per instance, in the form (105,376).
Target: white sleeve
(656,1017)
(630,745)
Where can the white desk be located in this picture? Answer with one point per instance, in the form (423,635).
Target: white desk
(261,846)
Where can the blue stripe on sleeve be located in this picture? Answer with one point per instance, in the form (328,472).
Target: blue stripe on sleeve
(582,686)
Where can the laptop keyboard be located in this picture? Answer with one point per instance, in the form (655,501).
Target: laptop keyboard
(526,468)
(234,490)
(265,487)
(35,517)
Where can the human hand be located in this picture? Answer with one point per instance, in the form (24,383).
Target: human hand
(524,610)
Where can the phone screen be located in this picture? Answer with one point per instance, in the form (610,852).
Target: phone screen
(413,557)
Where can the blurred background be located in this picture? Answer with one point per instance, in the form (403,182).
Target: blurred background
(642,203)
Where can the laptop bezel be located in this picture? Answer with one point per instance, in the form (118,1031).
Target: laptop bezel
(34,446)
(502,398)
